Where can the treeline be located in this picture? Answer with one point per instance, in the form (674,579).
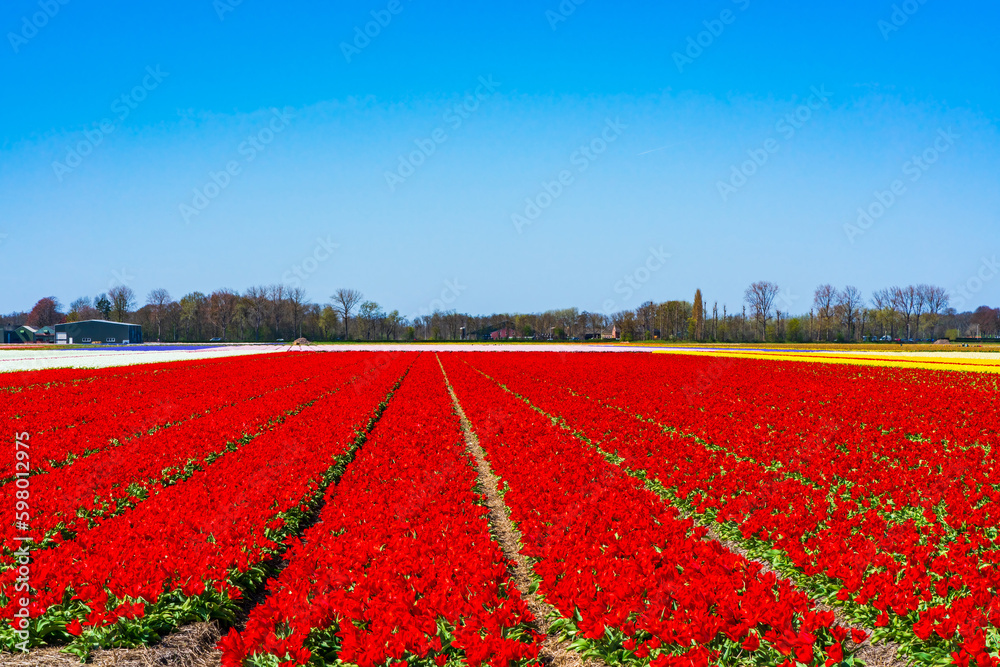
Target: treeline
(277,312)
(910,313)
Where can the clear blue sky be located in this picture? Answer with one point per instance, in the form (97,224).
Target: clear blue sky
(667,120)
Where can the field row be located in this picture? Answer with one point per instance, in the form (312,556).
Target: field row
(887,509)
(185,549)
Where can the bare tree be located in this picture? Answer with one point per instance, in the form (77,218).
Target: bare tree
(986,321)
(276,297)
(933,300)
(222,306)
(296,304)
(122,301)
(760,297)
(824,300)
(936,297)
(370,314)
(625,322)
(580,325)
(904,300)
(172,319)
(849,302)
(157,301)
(81,309)
(393,321)
(256,302)
(919,304)
(864,316)
(346,299)
(885,305)
(646,317)
(192,315)
(593,324)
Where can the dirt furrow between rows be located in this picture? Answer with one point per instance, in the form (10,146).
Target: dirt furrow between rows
(881,654)
(555,651)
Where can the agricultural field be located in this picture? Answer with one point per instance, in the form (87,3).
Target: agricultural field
(428,507)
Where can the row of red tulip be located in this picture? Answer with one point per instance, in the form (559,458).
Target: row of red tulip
(52,392)
(67,499)
(401,565)
(902,531)
(69,422)
(638,580)
(189,551)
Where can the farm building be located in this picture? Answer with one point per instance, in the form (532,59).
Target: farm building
(45,335)
(98,331)
(21,334)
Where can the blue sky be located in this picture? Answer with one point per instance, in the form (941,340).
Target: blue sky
(606,154)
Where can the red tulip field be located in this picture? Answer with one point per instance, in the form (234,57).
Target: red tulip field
(329,508)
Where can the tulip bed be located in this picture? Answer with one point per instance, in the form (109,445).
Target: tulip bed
(82,415)
(887,508)
(631,578)
(340,484)
(191,550)
(401,566)
(111,480)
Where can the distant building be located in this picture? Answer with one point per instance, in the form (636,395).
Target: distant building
(494,332)
(24,334)
(98,331)
(505,332)
(45,335)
